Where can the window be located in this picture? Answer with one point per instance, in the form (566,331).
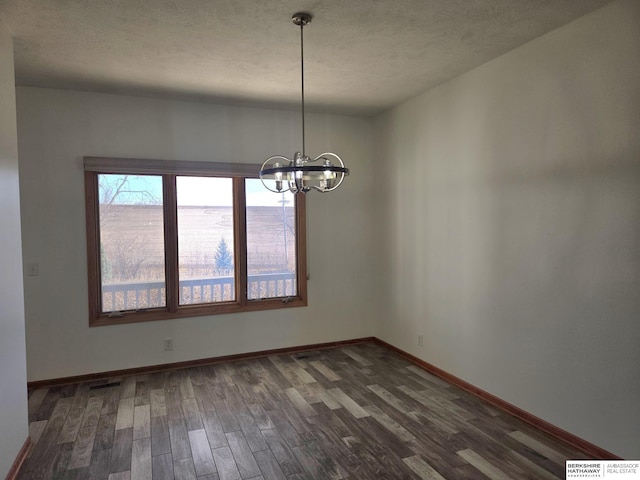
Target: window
(170,239)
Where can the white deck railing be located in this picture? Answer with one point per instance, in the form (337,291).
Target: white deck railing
(142,295)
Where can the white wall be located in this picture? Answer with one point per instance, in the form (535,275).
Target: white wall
(512,224)
(13,393)
(57,128)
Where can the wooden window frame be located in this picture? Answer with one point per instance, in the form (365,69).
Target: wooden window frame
(169,170)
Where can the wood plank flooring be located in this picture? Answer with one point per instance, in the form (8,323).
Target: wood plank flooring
(356,412)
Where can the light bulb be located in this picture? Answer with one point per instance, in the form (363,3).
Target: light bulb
(329,176)
(278,177)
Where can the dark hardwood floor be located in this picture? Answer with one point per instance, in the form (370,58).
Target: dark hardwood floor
(356,412)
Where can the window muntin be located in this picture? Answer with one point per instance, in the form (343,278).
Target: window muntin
(167,189)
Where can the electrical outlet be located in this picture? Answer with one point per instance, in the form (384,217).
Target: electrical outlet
(168,344)
(421,340)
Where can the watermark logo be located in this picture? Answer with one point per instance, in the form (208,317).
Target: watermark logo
(613,469)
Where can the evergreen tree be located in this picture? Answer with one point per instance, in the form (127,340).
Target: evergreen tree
(223,257)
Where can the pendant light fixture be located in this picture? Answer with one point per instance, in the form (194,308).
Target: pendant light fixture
(323,173)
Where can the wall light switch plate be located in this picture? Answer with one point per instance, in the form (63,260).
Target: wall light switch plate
(33,269)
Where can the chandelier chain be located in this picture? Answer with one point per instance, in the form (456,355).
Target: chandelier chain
(302,82)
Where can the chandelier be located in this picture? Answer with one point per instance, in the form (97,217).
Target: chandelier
(323,173)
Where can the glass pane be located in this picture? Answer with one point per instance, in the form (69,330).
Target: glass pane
(271,242)
(131,242)
(205,240)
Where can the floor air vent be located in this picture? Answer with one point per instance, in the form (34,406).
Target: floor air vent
(104,385)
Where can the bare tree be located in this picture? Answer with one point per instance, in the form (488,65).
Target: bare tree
(124,255)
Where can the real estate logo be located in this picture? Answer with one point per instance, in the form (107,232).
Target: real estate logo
(618,469)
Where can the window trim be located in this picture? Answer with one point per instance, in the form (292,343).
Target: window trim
(169,169)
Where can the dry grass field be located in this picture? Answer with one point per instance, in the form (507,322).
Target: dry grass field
(133,244)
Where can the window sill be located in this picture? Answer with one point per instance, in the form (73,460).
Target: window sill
(188,311)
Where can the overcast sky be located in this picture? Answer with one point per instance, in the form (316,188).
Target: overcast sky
(196,191)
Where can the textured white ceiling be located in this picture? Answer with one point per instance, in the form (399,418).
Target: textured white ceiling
(361,56)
